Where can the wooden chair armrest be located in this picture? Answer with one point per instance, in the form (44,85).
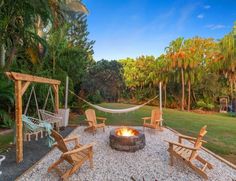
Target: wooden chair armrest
(146,118)
(189,138)
(102,119)
(181,145)
(72,138)
(88,121)
(71,152)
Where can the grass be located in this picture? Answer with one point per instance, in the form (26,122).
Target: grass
(5,141)
(221,136)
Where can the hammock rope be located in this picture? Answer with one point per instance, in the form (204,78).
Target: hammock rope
(30,125)
(116,111)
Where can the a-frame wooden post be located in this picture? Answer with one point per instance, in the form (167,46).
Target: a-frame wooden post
(22,81)
(56,93)
(18,116)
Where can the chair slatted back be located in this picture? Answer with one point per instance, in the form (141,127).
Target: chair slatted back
(198,142)
(91,116)
(156,115)
(61,145)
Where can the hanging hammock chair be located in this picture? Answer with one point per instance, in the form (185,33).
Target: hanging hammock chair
(34,125)
(50,116)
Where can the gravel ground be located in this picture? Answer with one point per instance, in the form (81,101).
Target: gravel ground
(150,163)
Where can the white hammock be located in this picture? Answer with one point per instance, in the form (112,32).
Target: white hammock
(114,110)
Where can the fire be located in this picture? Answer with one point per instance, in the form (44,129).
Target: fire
(125,132)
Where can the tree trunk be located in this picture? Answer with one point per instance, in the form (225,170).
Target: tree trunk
(3,57)
(53,64)
(182,80)
(164,95)
(40,33)
(189,94)
(194,96)
(231,92)
(11,58)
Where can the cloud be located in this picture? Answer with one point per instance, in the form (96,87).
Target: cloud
(185,13)
(200,16)
(207,7)
(215,26)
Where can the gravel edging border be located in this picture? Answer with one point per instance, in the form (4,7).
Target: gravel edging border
(32,167)
(208,151)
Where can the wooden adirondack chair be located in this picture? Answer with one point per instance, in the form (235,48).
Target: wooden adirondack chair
(76,156)
(155,120)
(190,154)
(92,121)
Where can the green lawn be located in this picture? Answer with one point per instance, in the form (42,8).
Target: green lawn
(221,134)
(5,140)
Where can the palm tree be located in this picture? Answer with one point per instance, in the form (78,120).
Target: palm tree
(163,73)
(59,10)
(200,54)
(17,26)
(176,54)
(227,46)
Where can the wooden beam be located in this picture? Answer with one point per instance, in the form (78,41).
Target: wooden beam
(20,89)
(24,87)
(18,115)
(56,94)
(31,78)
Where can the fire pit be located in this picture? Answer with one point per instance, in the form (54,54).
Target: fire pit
(127,139)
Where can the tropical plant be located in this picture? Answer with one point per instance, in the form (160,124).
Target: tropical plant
(105,79)
(6,101)
(176,55)
(228,50)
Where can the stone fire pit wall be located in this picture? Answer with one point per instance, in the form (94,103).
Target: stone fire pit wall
(127,143)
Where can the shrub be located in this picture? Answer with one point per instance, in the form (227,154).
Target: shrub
(201,104)
(205,106)
(95,98)
(6,121)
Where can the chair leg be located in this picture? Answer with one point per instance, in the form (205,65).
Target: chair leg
(91,158)
(199,171)
(94,131)
(36,136)
(57,127)
(55,164)
(41,133)
(72,170)
(203,161)
(171,159)
(170,150)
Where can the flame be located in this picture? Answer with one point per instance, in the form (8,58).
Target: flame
(125,132)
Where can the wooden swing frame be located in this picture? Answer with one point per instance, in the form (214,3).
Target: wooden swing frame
(22,82)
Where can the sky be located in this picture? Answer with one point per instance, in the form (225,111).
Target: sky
(131,28)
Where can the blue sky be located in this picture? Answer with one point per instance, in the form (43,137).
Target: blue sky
(130,28)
